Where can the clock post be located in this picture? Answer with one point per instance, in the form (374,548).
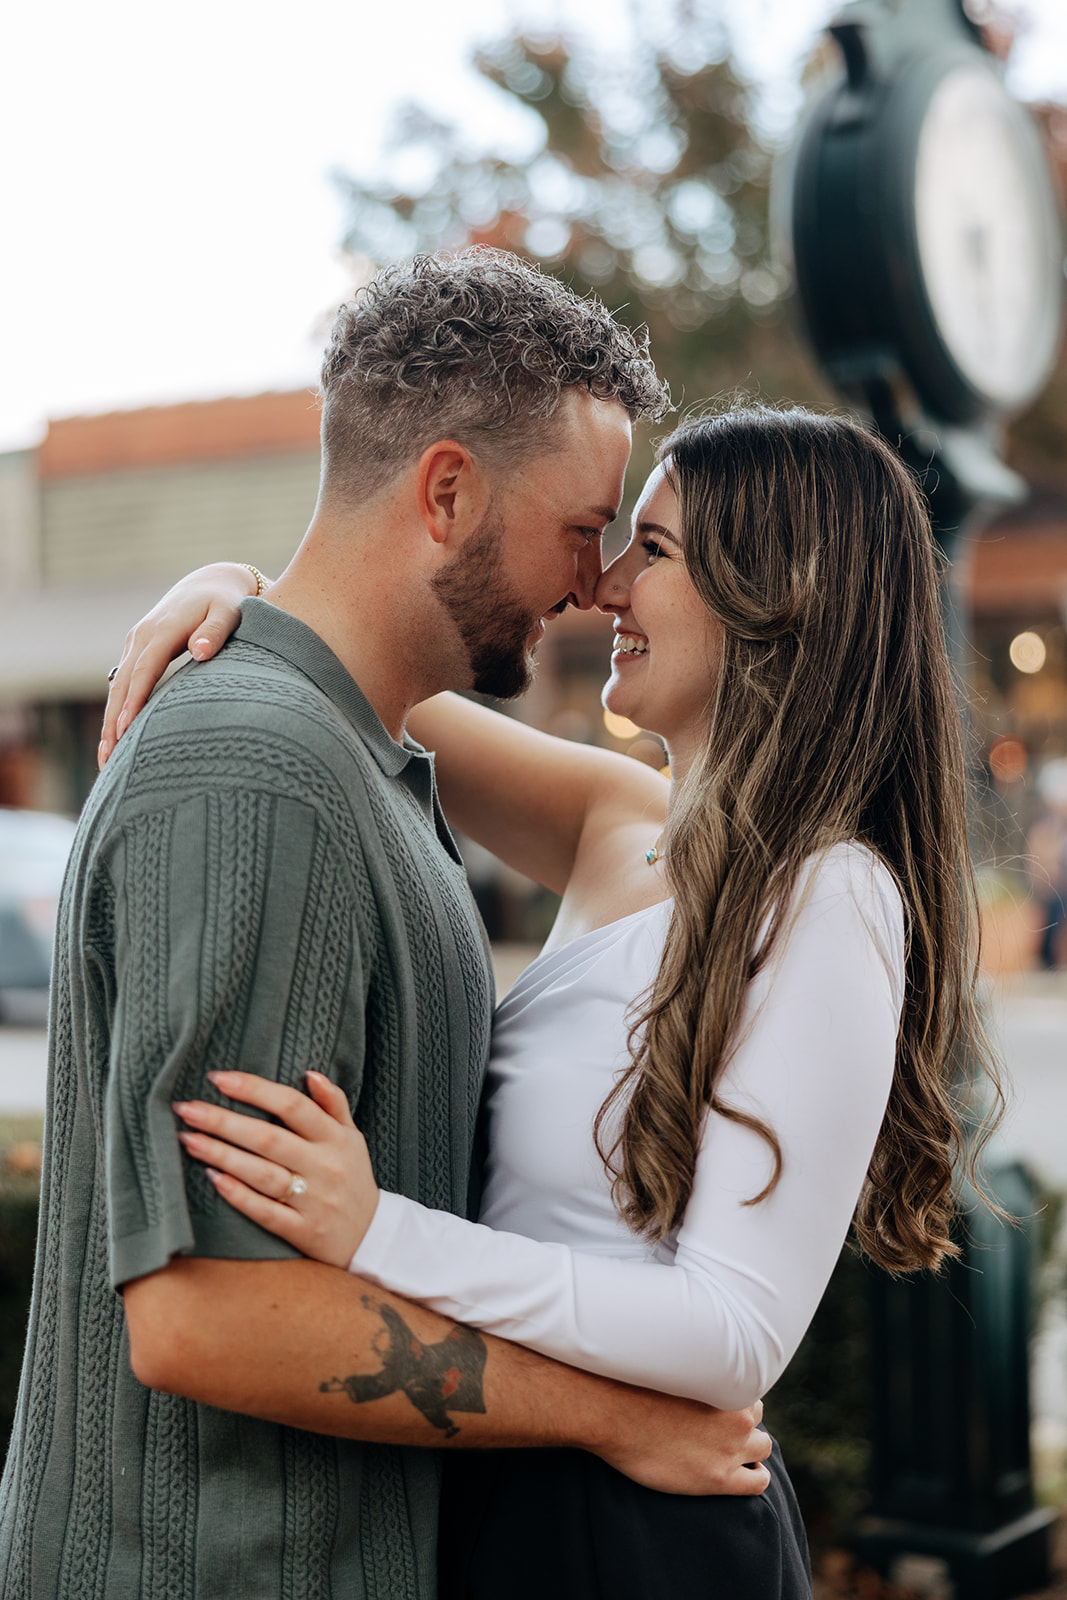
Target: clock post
(928,261)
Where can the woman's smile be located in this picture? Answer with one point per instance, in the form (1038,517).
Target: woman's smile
(661,625)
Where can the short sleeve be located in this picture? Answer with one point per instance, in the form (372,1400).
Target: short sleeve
(236,947)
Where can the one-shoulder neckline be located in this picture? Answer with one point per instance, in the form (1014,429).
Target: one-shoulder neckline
(605,927)
(551,960)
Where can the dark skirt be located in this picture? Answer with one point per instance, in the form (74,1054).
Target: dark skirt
(562,1525)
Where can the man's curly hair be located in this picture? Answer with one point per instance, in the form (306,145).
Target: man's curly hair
(479,347)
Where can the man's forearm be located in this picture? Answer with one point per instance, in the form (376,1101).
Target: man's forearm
(303,1344)
(308,1346)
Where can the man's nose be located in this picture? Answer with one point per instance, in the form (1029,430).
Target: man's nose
(587,577)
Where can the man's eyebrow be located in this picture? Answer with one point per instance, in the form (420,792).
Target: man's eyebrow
(606,512)
(657,527)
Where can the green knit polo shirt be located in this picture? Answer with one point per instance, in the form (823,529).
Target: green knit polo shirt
(261,879)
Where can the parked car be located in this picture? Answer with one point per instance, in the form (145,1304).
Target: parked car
(34,847)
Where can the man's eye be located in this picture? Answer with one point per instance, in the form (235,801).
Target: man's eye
(589,534)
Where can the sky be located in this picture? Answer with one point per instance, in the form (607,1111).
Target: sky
(170,227)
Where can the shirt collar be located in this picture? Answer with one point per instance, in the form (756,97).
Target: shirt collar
(286,636)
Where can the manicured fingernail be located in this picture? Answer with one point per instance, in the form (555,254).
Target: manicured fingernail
(103,750)
(180,1107)
(122,725)
(200,649)
(216,1077)
(185,1136)
(212,1174)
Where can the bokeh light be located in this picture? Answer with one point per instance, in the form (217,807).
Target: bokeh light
(620,727)
(1027,652)
(647,748)
(1008,759)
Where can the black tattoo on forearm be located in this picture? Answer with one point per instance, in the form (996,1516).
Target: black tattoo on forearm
(437,1378)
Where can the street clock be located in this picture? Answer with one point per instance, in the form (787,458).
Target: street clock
(925,232)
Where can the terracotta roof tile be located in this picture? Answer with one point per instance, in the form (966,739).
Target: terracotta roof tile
(198,430)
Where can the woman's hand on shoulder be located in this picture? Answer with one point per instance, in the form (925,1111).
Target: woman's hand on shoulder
(309,1181)
(198,614)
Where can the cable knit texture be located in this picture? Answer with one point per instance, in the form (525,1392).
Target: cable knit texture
(261,879)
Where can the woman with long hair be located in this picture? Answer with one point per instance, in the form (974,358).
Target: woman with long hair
(741,1036)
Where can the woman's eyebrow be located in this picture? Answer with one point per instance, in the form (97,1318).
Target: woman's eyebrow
(657,527)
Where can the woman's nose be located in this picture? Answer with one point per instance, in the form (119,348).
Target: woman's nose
(612,588)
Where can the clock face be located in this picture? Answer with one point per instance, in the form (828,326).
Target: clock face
(988,237)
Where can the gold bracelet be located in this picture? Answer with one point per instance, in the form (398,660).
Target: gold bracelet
(262,583)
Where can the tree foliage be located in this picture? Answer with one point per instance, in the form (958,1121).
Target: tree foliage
(649,185)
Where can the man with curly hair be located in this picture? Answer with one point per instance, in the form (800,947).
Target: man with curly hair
(263,879)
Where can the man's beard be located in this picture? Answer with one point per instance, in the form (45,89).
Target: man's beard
(492,622)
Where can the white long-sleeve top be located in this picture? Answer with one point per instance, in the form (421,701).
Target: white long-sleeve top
(716,1311)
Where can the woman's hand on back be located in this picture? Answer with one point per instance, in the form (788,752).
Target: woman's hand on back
(198,614)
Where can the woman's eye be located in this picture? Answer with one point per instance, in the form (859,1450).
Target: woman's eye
(652,548)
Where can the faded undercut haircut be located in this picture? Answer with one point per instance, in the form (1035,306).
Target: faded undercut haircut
(478,347)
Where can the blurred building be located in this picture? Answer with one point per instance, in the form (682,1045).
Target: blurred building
(95,524)
(1016,589)
(109,510)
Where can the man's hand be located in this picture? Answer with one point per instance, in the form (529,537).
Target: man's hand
(684,1447)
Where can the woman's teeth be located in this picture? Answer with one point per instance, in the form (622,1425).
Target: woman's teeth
(629,645)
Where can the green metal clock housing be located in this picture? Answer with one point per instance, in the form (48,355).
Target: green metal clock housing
(926,239)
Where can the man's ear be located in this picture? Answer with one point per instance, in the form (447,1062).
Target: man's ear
(452,492)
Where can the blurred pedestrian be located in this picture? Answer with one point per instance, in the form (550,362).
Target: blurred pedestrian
(1047,845)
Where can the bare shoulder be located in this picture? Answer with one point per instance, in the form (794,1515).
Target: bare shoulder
(627,794)
(612,876)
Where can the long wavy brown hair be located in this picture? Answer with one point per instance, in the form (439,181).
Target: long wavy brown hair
(834,717)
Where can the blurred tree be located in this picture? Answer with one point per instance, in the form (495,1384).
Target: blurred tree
(649,185)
